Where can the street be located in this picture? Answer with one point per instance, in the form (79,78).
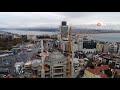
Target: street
(23,55)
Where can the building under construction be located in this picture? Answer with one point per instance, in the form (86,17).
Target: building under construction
(54,64)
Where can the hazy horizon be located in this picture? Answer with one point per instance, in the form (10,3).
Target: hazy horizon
(53,19)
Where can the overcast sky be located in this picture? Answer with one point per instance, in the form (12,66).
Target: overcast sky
(37,19)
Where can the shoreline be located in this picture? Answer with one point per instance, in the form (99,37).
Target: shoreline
(96,33)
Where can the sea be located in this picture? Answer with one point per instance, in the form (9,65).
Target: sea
(108,37)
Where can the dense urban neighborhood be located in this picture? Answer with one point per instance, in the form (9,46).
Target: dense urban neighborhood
(62,55)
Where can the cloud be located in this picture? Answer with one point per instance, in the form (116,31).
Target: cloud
(36,19)
(17,19)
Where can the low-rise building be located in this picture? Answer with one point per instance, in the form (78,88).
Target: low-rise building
(99,47)
(31,37)
(97,72)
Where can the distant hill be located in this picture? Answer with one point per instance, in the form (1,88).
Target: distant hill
(48,29)
(33,29)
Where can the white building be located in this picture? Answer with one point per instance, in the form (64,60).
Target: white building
(31,37)
(99,47)
(89,50)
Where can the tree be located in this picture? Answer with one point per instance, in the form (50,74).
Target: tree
(112,65)
(108,72)
(117,75)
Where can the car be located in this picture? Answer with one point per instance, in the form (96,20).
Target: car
(29,50)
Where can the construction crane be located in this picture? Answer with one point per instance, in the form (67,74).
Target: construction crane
(69,53)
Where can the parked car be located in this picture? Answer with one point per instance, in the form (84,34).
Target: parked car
(29,50)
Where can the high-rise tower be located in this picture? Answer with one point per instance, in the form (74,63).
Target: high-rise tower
(64,30)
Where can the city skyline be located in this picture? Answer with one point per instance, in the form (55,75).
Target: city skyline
(53,19)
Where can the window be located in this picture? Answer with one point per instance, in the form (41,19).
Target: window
(58,70)
(60,75)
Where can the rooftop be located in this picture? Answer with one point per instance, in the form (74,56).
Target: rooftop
(98,69)
(57,56)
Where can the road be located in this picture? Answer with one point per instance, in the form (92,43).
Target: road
(23,55)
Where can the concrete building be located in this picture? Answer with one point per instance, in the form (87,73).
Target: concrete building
(31,37)
(57,63)
(5,35)
(75,68)
(75,47)
(116,62)
(119,49)
(106,47)
(113,48)
(99,47)
(80,45)
(64,45)
(59,36)
(89,46)
(64,30)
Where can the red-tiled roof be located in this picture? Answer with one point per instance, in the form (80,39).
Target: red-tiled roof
(116,70)
(97,62)
(103,75)
(94,71)
(104,67)
(102,55)
(114,55)
(98,69)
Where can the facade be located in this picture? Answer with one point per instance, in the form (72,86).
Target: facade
(59,37)
(119,49)
(75,68)
(50,45)
(64,45)
(75,47)
(7,36)
(99,47)
(31,37)
(89,51)
(113,48)
(80,45)
(57,63)
(106,48)
(64,30)
(89,46)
